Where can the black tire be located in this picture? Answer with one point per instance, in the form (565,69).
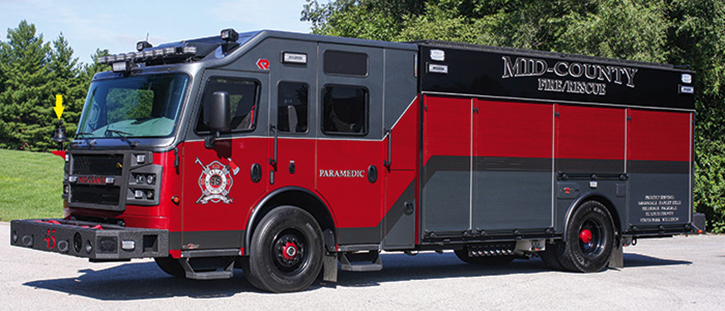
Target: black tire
(286,251)
(590,239)
(484,260)
(171,266)
(550,256)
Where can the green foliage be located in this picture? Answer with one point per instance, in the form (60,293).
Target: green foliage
(125,104)
(366,19)
(710,183)
(633,30)
(24,113)
(31,188)
(31,74)
(682,32)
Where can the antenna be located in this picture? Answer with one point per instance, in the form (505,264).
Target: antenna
(147,37)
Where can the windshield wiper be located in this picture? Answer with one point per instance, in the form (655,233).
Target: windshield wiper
(124,137)
(88,141)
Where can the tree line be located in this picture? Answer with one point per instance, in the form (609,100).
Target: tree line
(679,32)
(32,72)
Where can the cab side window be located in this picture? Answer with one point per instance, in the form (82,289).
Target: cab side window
(244,97)
(345,110)
(292,107)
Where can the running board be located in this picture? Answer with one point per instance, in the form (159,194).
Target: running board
(227,273)
(361,262)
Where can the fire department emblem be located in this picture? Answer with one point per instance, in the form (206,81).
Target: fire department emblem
(216,181)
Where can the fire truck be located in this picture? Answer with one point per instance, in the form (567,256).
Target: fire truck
(292,156)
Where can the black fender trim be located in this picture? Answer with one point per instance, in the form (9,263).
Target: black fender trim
(586,197)
(274,194)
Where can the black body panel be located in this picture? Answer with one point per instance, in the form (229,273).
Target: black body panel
(543,76)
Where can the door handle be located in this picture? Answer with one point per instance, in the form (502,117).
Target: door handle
(273,161)
(389,161)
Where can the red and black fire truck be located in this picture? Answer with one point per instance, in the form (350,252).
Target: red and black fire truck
(293,155)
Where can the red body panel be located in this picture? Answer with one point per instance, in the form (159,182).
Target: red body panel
(405,150)
(220,216)
(601,130)
(659,136)
(342,181)
(447,127)
(513,130)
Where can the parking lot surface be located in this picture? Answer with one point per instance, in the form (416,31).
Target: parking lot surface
(681,273)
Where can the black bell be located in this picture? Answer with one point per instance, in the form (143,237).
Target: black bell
(59,136)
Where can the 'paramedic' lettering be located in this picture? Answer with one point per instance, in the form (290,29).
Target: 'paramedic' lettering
(535,67)
(343,173)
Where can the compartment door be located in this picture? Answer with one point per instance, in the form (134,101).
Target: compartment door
(446,174)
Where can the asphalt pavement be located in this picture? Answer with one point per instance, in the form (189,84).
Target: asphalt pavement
(680,273)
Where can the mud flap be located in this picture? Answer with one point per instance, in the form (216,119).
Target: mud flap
(329,266)
(616,260)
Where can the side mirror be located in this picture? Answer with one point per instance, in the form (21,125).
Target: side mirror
(217,112)
(216,115)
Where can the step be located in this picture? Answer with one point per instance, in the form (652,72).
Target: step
(226,273)
(361,262)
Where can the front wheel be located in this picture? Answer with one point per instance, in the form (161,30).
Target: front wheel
(171,266)
(286,251)
(589,239)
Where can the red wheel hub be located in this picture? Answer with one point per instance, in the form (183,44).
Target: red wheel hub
(289,251)
(585,236)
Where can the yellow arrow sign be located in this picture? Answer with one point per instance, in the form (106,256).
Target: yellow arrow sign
(58,105)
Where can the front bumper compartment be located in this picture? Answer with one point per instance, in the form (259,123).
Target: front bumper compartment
(97,242)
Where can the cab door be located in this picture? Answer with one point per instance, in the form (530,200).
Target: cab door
(293,115)
(221,183)
(349,173)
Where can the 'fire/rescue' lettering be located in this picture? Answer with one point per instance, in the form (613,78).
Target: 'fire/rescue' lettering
(343,173)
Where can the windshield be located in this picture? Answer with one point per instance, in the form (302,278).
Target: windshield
(141,106)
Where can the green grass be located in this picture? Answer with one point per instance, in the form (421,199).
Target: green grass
(31,185)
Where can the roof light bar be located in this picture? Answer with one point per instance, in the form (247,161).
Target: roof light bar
(169,52)
(189,50)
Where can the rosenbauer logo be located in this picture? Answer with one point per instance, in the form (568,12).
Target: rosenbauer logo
(343,173)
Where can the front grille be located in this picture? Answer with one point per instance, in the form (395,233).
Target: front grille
(98,164)
(106,195)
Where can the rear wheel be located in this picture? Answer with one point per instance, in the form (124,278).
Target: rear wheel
(590,239)
(550,256)
(484,260)
(285,254)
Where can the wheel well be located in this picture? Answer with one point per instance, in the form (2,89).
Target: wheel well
(294,197)
(604,201)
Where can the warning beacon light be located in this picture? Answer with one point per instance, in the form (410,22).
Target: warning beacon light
(230,37)
(230,34)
